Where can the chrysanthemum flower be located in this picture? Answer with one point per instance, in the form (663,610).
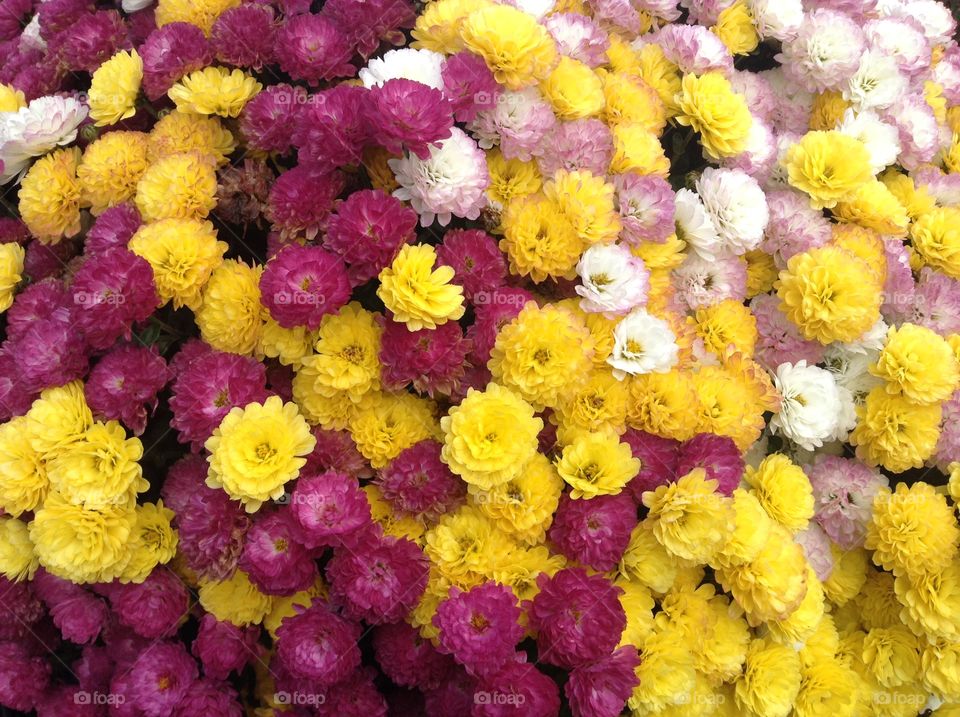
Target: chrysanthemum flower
(828,166)
(596,532)
(178,132)
(182,186)
(110,169)
(300,285)
(917,363)
(406,114)
(214,91)
(389,423)
(170,52)
(539,240)
(274,557)
(311,47)
(234,599)
(895,433)
(301,200)
(418,294)
(244,36)
(318,645)
(183,253)
(770,681)
(783,490)
(637,149)
(708,104)
(153,542)
(50,196)
(936,238)
(18,560)
(26,483)
(516,48)
(114,88)
(257,449)
(11,270)
(597,464)
(231,315)
(930,602)
(203,15)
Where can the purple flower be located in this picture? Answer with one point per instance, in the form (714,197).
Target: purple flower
(793,227)
(154,608)
(578,617)
(159,679)
(273,558)
(14,14)
(658,461)
(409,116)
(335,451)
(205,698)
(522,690)
(594,532)
(169,53)
(124,385)
(15,396)
(843,492)
(937,302)
(419,483)
(312,48)
(57,15)
(244,35)
(318,645)
(51,352)
(408,659)
(301,200)
(469,85)
(332,130)
(480,627)
(356,696)
(268,120)
(779,341)
(224,648)
(302,284)
(366,23)
(112,229)
(78,613)
(646,205)
(474,256)
(35,302)
(91,39)
(329,507)
(601,688)
(717,455)
(45,260)
(584,144)
(367,230)
(25,677)
(579,37)
(20,609)
(433,360)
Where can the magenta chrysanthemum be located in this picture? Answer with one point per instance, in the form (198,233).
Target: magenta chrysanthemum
(169,53)
(318,645)
(329,507)
(333,128)
(312,48)
(301,200)
(224,648)
(601,689)
(78,613)
(205,697)
(469,85)
(493,310)
(517,684)
(336,451)
(90,40)
(244,36)
(594,532)
(124,385)
(268,120)
(658,461)
(154,608)
(302,284)
(25,677)
(419,483)
(112,229)
(409,116)
(51,351)
(367,23)
(432,360)
(274,559)
(717,455)
(159,679)
(474,256)
(407,659)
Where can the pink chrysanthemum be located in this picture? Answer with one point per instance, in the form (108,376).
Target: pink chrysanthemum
(658,461)
(717,455)
(367,230)
(432,360)
(208,384)
(90,40)
(937,302)
(367,23)
(475,258)
(948,445)
(154,608)
(25,677)
(171,52)
(409,116)
(124,385)
(333,128)
(302,284)
(51,352)
(329,507)
(521,689)
(804,60)
(16,14)
(843,490)
(112,229)
(579,37)
(456,696)
(594,532)
(159,679)
(20,610)
(78,613)
(793,227)
(301,200)
(273,557)
(336,451)
(378,579)
(816,546)
(419,483)
(244,36)
(601,688)
(701,283)
(899,289)
(205,697)
(312,48)
(317,645)
(46,260)
(55,15)
(694,49)
(518,121)
(15,397)
(469,85)
(224,648)
(778,340)
(480,627)
(33,303)
(646,205)
(493,310)
(268,120)
(407,659)
(584,144)
(356,696)
(578,617)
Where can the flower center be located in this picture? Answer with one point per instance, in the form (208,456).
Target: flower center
(265,451)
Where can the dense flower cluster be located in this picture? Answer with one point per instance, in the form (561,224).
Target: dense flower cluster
(479,357)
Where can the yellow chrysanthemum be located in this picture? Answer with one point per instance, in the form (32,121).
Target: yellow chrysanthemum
(917,363)
(691,520)
(154,542)
(877,602)
(588,204)
(542,354)
(783,490)
(801,623)
(539,240)
(523,506)
(11,99)
(393,522)
(637,149)
(214,91)
(182,186)
(940,663)
(517,49)
(521,568)
(724,648)
(726,324)
(751,530)
(912,530)
(823,644)
(257,449)
(916,200)
(865,244)
(375,162)
(936,237)
(390,424)
(629,99)
(111,168)
(875,207)
(490,437)
(828,166)
(662,75)
(178,132)
(895,433)
(828,293)
(828,110)
(892,654)
(438,25)
(25,483)
(11,271)
(735,28)
(728,404)
(770,681)
(114,88)
(202,14)
(510,179)
(100,469)
(18,561)
(231,316)
(347,357)
(466,545)
(848,575)
(663,404)
(599,405)
(235,600)
(573,90)
(418,292)
(931,602)
(57,419)
(597,464)
(761,272)
(183,253)
(666,674)
(709,105)
(638,604)
(83,545)
(50,196)
(332,412)
(828,687)
(288,346)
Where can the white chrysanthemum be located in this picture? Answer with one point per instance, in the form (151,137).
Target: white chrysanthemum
(420,65)
(642,344)
(825,52)
(920,134)
(902,41)
(451,182)
(778,19)
(876,84)
(737,206)
(811,406)
(694,225)
(851,371)
(759,154)
(130,6)
(932,16)
(30,38)
(778,176)
(881,139)
(612,280)
(45,123)
(872,340)
(847,417)
(538,8)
